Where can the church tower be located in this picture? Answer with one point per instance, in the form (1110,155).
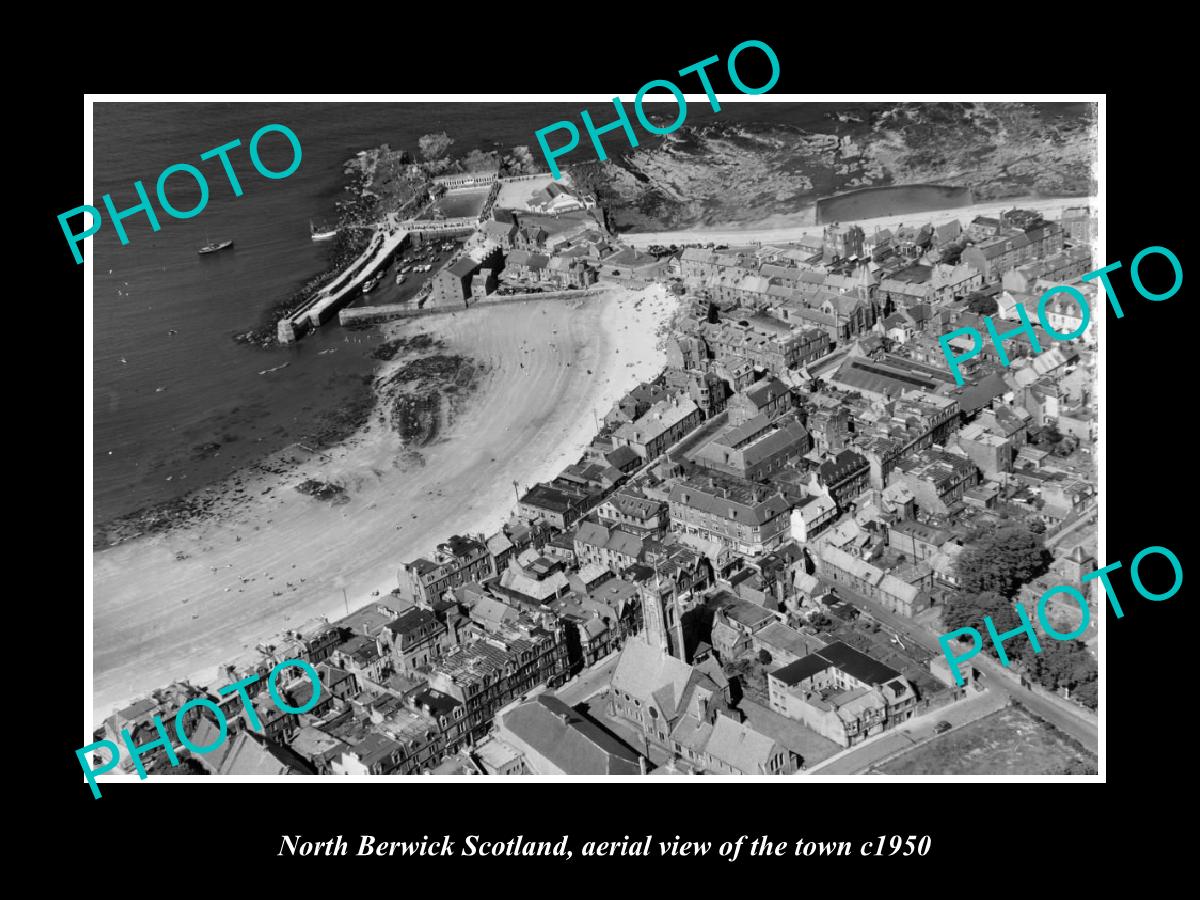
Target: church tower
(654,626)
(662,619)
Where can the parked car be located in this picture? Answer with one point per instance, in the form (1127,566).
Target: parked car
(942,727)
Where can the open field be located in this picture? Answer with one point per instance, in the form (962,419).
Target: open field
(1007,742)
(279,557)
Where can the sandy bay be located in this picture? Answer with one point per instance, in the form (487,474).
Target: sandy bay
(278,557)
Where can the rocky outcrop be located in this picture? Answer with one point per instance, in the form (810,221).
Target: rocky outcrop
(726,172)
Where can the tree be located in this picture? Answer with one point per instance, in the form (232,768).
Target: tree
(434,146)
(951,254)
(1062,664)
(714,315)
(1088,694)
(737,668)
(819,620)
(982,304)
(1048,436)
(1001,561)
(1066,445)
(764,657)
(966,609)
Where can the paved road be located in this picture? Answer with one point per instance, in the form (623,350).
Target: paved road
(861,757)
(1079,724)
(588,682)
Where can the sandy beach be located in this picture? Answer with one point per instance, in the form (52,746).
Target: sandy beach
(176,605)
(779,229)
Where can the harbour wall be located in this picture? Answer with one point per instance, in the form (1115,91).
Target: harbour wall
(323,305)
(373,315)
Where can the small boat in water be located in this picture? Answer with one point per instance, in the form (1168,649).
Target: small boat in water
(400,278)
(213,248)
(321,235)
(369,285)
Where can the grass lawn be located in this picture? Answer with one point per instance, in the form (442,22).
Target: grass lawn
(1008,742)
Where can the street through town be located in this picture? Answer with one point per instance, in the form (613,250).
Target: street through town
(1079,725)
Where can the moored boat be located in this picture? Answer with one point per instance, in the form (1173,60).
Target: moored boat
(213,248)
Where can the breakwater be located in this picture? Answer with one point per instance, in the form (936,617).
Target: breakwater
(374,315)
(383,245)
(325,303)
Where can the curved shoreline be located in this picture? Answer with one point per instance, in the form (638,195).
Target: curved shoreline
(282,557)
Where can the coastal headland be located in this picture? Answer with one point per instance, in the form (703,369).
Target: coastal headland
(177,604)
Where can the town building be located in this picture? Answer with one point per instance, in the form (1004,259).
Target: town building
(615,549)
(553,739)
(747,518)
(843,242)
(663,424)
(936,479)
(755,448)
(768,398)
(416,638)
(765,342)
(554,504)
(842,477)
(456,561)
(632,511)
(842,694)
(492,671)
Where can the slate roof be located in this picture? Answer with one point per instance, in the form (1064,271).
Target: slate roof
(249,755)
(570,742)
(633,505)
(739,746)
(784,637)
(616,540)
(651,676)
(463,266)
(805,667)
(859,665)
(700,498)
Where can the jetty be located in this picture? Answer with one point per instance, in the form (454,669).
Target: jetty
(325,303)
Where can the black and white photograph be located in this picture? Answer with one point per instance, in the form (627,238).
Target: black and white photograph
(469,438)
